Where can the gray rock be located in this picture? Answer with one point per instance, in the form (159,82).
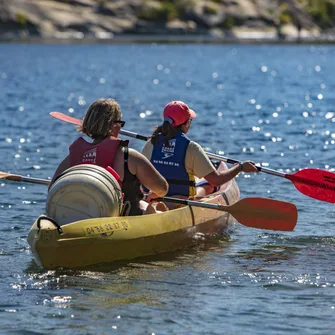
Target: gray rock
(113,18)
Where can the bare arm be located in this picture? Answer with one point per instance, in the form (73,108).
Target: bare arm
(217,178)
(65,164)
(197,162)
(147,174)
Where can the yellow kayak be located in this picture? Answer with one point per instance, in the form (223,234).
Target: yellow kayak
(102,240)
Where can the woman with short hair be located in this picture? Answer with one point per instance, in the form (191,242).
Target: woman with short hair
(102,123)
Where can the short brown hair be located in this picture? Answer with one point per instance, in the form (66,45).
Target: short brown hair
(99,118)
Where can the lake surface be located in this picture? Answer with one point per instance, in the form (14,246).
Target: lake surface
(272,104)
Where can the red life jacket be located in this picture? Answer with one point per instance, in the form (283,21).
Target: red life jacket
(101,154)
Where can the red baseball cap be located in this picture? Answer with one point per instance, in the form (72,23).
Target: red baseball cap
(179,112)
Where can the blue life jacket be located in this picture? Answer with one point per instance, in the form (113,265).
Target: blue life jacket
(170,162)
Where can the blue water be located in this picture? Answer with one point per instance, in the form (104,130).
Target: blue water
(274,105)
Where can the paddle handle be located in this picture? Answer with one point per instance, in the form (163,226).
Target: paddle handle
(36,180)
(210,155)
(194,203)
(234,161)
(18,178)
(133,135)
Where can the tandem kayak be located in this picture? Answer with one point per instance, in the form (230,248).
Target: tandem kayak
(106,239)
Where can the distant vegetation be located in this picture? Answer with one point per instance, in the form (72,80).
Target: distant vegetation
(321,11)
(21,19)
(165,10)
(155,16)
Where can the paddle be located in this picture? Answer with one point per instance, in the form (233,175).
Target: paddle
(259,213)
(315,183)
(15,177)
(70,119)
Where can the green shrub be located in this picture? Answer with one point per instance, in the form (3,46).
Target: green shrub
(229,23)
(21,19)
(285,14)
(168,11)
(321,11)
(165,12)
(209,10)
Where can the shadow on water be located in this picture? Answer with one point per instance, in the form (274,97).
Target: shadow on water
(144,280)
(270,245)
(290,255)
(273,253)
(268,248)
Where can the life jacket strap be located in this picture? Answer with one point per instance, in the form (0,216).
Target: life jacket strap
(181,182)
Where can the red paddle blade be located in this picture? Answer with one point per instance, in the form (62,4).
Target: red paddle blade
(265,213)
(66,118)
(315,183)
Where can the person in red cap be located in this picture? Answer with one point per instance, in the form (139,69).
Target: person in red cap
(179,159)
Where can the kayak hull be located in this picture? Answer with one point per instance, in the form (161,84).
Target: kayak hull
(103,240)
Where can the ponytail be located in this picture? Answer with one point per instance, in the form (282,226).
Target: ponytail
(167,130)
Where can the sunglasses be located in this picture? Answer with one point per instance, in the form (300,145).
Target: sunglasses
(122,123)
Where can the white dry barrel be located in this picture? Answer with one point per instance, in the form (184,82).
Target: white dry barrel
(83,192)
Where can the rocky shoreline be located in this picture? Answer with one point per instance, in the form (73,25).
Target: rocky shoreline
(122,21)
